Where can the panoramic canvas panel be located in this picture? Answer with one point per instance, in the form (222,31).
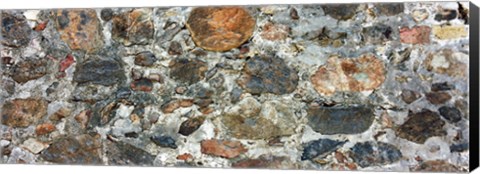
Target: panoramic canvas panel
(369,87)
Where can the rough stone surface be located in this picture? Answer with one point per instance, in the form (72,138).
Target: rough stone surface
(340,11)
(80,29)
(450,114)
(390,9)
(81,149)
(340,120)
(374,154)
(449,32)
(320,148)
(220,28)
(120,153)
(188,71)
(191,125)
(29,69)
(23,112)
(356,74)
(264,74)
(164,141)
(438,97)
(420,126)
(447,62)
(415,35)
(145,58)
(133,27)
(15,30)
(222,148)
(99,71)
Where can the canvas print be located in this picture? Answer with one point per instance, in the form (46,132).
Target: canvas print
(356,86)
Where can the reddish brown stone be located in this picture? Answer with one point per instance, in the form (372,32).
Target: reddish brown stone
(41,26)
(437,166)
(438,97)
(145,85)
(175,104)
(45,128)
(185,157)
(359,74)
(80,29)
(275,32)
(23,112)
(220,28)
(222,148)
(30,69)
(421,126)
(415,35)
(133,28)
(264,161)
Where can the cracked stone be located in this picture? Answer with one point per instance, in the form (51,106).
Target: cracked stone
(15,30)
(120,153)
(82,149)
(146,58)
(451,114)
(265,74)
(357,74)
(320,148)
(420,126)
(220,28)
(375,154)
(104,72)
(415,35)
(340,120)
(222,148)
(340,11)
(23,112)
(133,28)
(29,69)
(191,125)
(188,71)
(80,29)
(438,97)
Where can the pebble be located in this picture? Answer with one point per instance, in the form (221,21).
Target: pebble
(23,112)
(191,125)
(188,71)
(420,126)
(30,69)
(438,97)
(133,28)
(390,9)
(447,32)
(340,11)
(409,96)
(266,74)
(15,30)
(340,120)
(446,14)
(378,34)
(419,15)
(106,14)
(220,28)
(175,48)
(415,35)
(145,58)
(371,153)
(100,71)
(294,14)
(320,148)
(442,86)
(275,32)
(143,84)
(34,145)
(447,62)
(352,74)
(222,148)
(44,128)
(121,153)
(451,114)
(164,141)
(265,162)
(81,149)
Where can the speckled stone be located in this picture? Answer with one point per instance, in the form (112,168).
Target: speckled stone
(220,28)
(378,34)
(191,125)
(370,153)
(81,149)
(340,11)
(447,62)
(265,74)
(99,71)
(188,71)
(340,120)
(15,30)
(133,28)
(120,153)
(438,97)
(320,148)
(415,35)
(420,126)
(29,69)
(23,112)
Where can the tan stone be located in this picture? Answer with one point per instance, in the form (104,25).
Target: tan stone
(449,32)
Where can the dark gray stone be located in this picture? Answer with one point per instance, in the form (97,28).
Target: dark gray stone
(340,120)
(106,14)
(145,58)
(377,34)
(188,71)
(99,71)
(164,141)
(15,30)
(82,149)
(451,114)
(446,15)
(421,126)
(191,125)
(443,86)
(340,11)
(375,154)
(320,148)
(120,153)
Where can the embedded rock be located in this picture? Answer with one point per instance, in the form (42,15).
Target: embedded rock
(222,148)
(375,154)
(320,148)
(188,71)
(191,125)
(15,30)
(340,120)
(133,28)
(340,11)
(120,153)
(421,126)
(23,112)
(99,71)
(29,69)
(81,149)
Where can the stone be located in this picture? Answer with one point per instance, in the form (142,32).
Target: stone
(175,48)
(64,64)
(34,145)
(445,14)
(81,149)
(80,29)
(15,30)
(188,71)
(106,14)
(447,32)
(191,125)
(104,72)
(142,84)
(275,32)
(442,86)
(353,74)
(220,28)
(461,147)
(60,114)
(437,166)
(340,120)
(409,96)
(23,112)
(438,97)
(370,153)
(45,128)
(377,34)
(145,58)
(320,148)
(185,157)
(415,35)
(173,105)
(419,15)
(133,28)
(120,153)
(420,126)
(451,114)
(294,14)
(390,9)
(164,141)
(265,162)
(340,11)
(266,74)
(447,62)
(29,69)
(222,148)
